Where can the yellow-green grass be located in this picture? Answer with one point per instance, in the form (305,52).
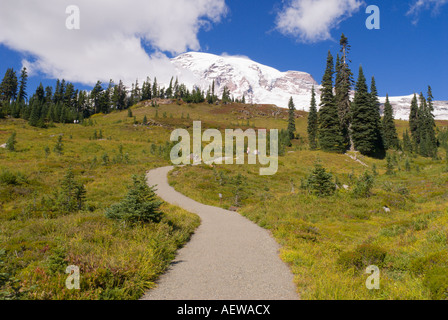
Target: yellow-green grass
(121,262)
(315,232)
(116,261)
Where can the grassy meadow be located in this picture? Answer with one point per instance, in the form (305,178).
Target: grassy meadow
(38,242)
(328,242)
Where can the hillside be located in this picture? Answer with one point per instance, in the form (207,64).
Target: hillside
(121,262)
(262,84)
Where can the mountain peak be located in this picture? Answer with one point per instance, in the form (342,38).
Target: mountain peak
(261,84)
(258,83)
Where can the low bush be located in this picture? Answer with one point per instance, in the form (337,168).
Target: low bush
(320,182)
(9,286)
(363,186)
(436,281)
(362,257)
(12,178)
(139,205)
(424,264)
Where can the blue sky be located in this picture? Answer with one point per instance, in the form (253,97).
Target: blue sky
(407,54)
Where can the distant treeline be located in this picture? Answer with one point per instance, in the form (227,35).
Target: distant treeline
(66,104)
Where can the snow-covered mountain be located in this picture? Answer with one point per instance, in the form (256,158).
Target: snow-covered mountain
(259,84)
(402,106)
(262,84)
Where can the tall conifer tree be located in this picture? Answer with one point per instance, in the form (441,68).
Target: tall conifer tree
(292,119)
(22,96)
(390,135)
(313,122)
(366,131)
(413,122)
(343,85)
(330,137)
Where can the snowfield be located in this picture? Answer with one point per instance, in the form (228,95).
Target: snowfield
(262,84)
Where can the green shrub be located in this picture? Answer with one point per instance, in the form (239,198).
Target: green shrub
(57,263)
(12,178)
(9,286)
(436,280)
(238,185)
(364,186)
(113,294)
(362,257)
(402,190)
(425,264)
(395,230)
(320,182)
(72,193)
(139,205)
(11,143)
(59,147)
(389,165)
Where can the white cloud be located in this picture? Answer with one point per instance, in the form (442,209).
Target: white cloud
(227,55)
(420,5)
(312,20)
(111,39)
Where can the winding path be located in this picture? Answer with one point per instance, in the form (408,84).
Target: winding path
(227,258)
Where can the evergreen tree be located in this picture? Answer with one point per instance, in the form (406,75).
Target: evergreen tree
(59,91)
(119,96)
(208,98)
(407,165)
(139,206)
(376,116)
(343,85)
(390,135)
(389,165)
(226,96)
(72,194)
(11,143)
(39,94)
(176,89)
(35,114)
(48,95)
(58,148)
(155,89)
(22,96)
(292,119)
(146,90)
(407,143)
(366,120)
(431,120)
(169,91)
(136,94)
(427,146)
(313,122)
(320,182)
(413,122)
(106,98)
(430,100)
(96,95)
(8,86)
(330,137)
(214,97)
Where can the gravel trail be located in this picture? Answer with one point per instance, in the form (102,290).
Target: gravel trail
(228,257)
